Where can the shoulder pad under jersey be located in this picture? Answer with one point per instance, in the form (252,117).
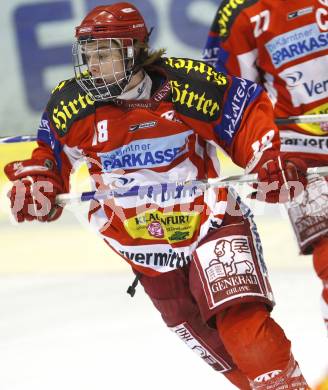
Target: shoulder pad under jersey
(227,13)
(197,89)
(68,103)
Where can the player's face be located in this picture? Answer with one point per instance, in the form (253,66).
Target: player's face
(105,60)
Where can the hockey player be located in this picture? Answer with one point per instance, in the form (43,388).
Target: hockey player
(140,118)
(283,45)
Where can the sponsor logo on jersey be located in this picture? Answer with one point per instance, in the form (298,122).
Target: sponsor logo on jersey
(162,93)
(119,181)
(302,143)
(67,111)
(44,132)
(144,125)
(166,259)
(296,44)
(44,123)
(242,92)
(228,268)
(185,96)
(299,12)
(47,136)
(211,52)
(185,333)
(197,90)
(172,227)
(227,13)
(147,153)
(307,82)
(190,66)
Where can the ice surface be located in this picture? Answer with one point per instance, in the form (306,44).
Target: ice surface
(84,332)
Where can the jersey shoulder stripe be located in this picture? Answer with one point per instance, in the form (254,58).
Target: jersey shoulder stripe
(68,103)
(197,90)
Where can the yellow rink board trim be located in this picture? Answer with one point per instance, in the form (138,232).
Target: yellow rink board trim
(62,249)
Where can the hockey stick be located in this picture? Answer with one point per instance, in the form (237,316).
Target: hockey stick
(302,119)
(154,190)
(19,138)
(279,121)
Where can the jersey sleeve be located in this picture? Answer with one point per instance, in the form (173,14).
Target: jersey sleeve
(231,44)
(66,105)
(245,127)
(257,138)
(49,147)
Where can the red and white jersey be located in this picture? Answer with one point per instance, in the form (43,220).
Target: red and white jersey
(282,44)
(171,137)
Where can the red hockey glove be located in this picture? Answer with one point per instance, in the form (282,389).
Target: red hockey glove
(280,180)
(35,186)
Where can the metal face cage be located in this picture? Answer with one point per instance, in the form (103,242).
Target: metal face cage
(103,67)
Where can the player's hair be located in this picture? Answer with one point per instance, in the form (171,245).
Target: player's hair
(147,55)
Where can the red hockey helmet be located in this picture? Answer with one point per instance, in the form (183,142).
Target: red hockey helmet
(105,55)
(119,20)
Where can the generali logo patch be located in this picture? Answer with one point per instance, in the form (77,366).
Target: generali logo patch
(229,269)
